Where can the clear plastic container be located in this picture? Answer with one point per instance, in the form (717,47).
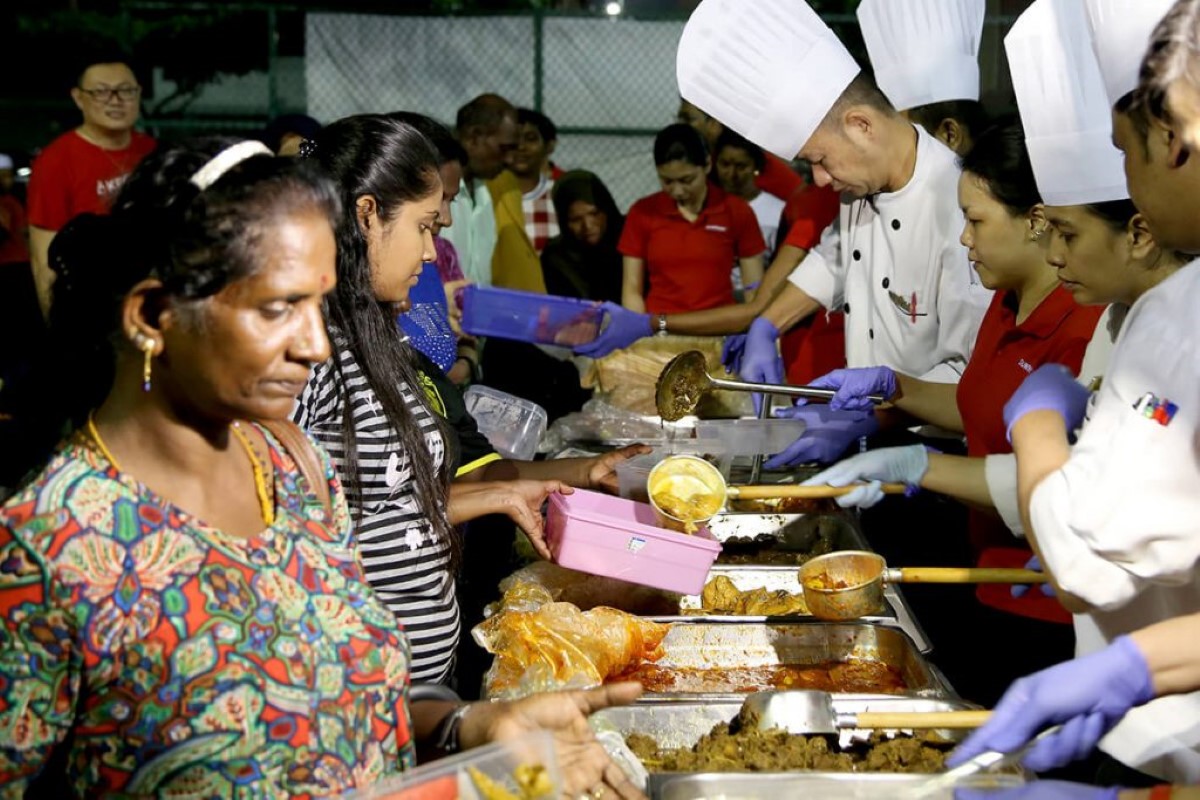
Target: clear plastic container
(748,437)
(513,425)
(527,761)
(530,316)
(604,535)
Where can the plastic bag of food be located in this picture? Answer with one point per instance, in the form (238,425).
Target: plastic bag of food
(627,378)
(589,591)
(542,645)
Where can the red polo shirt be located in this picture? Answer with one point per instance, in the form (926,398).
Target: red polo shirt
(689,265)
(778,178)
(1057,332)
(817,345)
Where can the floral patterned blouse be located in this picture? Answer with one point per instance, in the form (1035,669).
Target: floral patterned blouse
(186,662)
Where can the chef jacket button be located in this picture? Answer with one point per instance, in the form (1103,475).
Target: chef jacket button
(858,255)
(846,308)
(886,283)
(895,224)
(871,332)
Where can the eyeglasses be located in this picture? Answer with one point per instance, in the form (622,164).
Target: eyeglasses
(106,94)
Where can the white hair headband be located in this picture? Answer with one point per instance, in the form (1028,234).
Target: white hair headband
(226,160)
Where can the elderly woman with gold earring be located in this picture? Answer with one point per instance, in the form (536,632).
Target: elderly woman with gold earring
(181,606)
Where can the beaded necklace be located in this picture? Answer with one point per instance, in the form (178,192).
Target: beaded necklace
(265,503)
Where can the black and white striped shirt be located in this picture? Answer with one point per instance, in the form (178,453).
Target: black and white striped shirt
(408,567)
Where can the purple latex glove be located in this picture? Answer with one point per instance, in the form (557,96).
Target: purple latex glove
(888,465)
(732,350)
(853,386)
(1021,589)
(1042,790)
(828,435)
(1050,387)
(1087,696)
(761,362)
(623,329)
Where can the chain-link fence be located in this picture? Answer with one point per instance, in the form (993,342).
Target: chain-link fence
(609,84)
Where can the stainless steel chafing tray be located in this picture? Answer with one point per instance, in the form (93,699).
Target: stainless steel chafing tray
(705,645)
(824,785)
(897,613)
(682,724)
(801,534)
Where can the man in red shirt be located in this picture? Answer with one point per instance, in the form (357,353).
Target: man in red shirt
(83,169)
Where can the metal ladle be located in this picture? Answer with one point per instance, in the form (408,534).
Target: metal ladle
(849,584)
(807,711)
(694,485)
(685,381)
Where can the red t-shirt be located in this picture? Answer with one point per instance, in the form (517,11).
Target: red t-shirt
(1057,332)
(778,178)
(807,213)
(13,249)
(817,345)
(689,265)
(73,176)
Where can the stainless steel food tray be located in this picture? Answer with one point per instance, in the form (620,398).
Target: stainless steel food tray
(681,724)
(897,613)
(708,645)
(804,532)
(824,785)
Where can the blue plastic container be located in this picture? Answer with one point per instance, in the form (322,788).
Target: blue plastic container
(530,317)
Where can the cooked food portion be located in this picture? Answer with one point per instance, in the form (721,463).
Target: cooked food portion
(686,497)
(721,596)
(734,747)
(854,676)
(803,541)
(532,782)
(826,582)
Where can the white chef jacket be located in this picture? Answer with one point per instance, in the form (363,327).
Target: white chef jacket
(1001,468)
(895,267)
(1119,524)
(473,233)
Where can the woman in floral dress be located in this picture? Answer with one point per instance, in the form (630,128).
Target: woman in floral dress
(182,612)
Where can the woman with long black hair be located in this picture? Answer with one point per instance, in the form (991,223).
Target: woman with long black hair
(367,403)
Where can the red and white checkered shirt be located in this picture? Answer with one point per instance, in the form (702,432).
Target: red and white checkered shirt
(541,221)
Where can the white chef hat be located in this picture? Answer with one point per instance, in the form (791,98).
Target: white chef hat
(769,69)
(1121,31)
(924,51)
(1068,125)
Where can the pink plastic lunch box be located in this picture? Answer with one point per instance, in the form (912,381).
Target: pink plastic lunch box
(604,535)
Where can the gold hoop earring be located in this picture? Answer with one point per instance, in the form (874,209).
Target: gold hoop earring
(148,351)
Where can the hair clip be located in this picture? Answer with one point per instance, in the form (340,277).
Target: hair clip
(308,149)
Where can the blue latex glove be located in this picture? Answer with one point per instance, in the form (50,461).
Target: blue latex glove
(760,361)
(853,386)
(1087,695)
(828,435)
(623,329)
(1050,387)
(732,350)
(1042,790)
(889,465)
(1021,589)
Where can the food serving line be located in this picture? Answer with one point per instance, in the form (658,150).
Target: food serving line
(740,582)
